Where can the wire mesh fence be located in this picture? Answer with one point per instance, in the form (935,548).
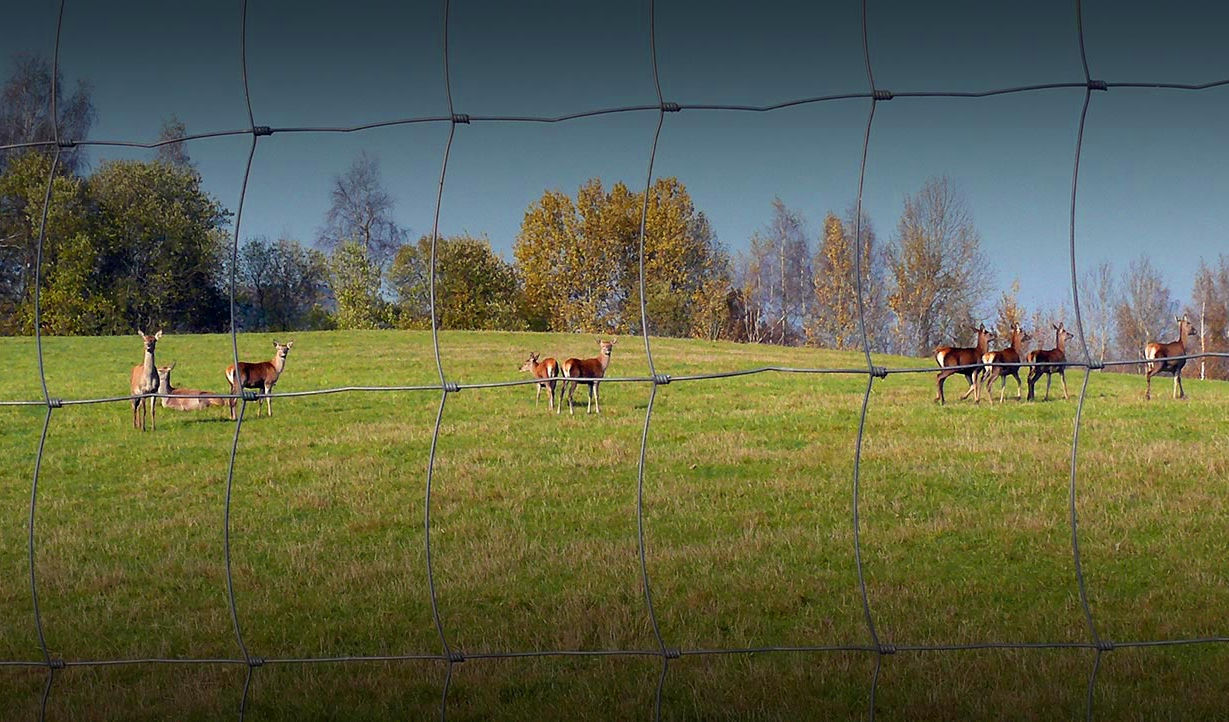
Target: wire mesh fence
(662,652)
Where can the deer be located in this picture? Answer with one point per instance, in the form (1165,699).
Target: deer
(1050,361)
(260,375)
(183,399)
(1009,355)
(949,356)
(1156,353)
(548,370)
(586,371)
(145,381)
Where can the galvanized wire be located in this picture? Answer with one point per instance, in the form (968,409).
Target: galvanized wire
(450,656)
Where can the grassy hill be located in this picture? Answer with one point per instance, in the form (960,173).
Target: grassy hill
(965,538)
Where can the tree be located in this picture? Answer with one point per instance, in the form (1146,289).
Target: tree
(355,281)
(580,259)
(1008,310)
(160,245)
(788,279)
(834,320)
(474,287)
(281,286)
(1210,309)
(175,154)
(25,111)
(753,292)
(23,187)
(937,270)
(1144,311)
(1098,296)
(361,212)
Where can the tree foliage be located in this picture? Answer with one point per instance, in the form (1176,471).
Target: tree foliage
(580,259)
(281,286)
(474,287)
(355,280)
(834,318)
(1145,309)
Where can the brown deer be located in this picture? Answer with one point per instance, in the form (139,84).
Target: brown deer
(183,399)
(145,381)
(1157,352)
(949,356)
(260,375)
(548,370)
(1050,361)
(1009,355)
(586,371)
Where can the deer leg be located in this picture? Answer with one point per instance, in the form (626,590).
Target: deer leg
(134,412)
(1181,394)
(550,395)
(269,401)
(1049,379)
(1147,384)
(1062,374)
(597,399)
(1003,388)
(589,399)
(153,414)
(571,402)
(939,383)
(1018,384)
(972,389)
(537,397)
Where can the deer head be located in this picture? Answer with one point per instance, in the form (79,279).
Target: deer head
(1186,328)
(607,346)
(150,341)
(530,363)
(280,350)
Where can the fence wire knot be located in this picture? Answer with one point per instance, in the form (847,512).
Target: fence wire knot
(661,379)
(670,107)
(261,130)
(256,661)
(1098,85)
(56,664)
(671,653)
(882,95)
(1096,366)
(55,403)
(462,118)
(451,387)
(887,649)
(454,657)
(1104,645)
(250,395)
(879,372)
(66,143)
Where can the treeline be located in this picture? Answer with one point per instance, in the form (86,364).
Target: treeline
(140,244)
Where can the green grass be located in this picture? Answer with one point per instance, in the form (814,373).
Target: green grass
(965,538)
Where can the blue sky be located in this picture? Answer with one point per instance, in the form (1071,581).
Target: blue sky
(1153,173)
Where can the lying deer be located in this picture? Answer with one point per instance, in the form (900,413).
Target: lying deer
(184,399)
(145,381)
(1157,352)
(1050,361)
(1009,355)
(258,375)
(586,371)
(547,369)
(949,356)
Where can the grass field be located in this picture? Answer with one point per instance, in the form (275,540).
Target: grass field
(965,538)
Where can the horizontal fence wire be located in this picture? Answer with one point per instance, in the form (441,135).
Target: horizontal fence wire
(448,654)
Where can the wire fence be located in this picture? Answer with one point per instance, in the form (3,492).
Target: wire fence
(448,654)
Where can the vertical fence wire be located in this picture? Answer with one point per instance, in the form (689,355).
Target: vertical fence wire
(450,656)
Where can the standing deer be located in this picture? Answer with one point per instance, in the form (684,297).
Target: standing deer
(1157,352)
(1050,361)
(548,370)
(586,371)
(258,375)
(949,356)
(145,381)
(183,399)
(1009,355)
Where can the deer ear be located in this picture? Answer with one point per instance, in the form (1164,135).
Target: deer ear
(289,344)
(140,333)
(172,365)
(613,341)
(158,336)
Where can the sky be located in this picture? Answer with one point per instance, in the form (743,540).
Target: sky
(1153,176)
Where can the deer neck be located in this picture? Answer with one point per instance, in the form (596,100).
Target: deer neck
(603,360)
(1060,343)
(279,363)
(150,369)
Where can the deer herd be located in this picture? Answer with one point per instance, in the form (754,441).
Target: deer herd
(149,379)
(978,364)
